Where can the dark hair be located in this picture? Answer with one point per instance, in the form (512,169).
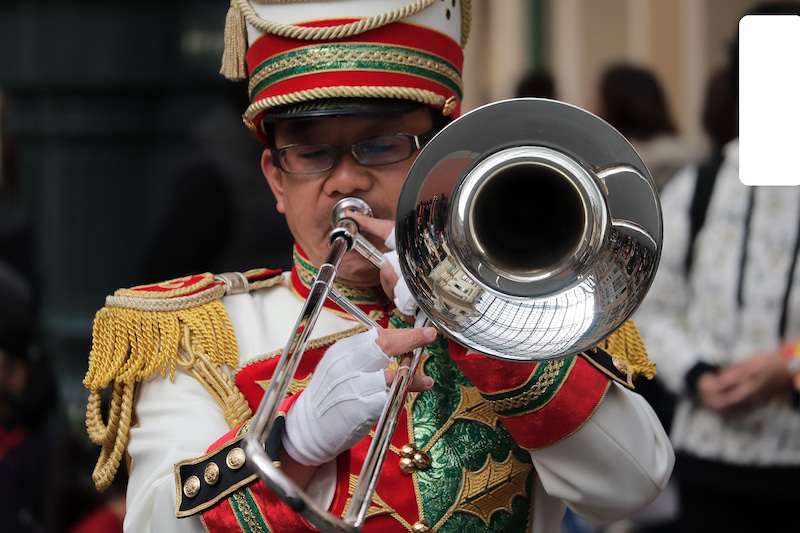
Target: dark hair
(719,118)
(538,83)
(633,102)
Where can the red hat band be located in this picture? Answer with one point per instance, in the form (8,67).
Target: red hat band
(387,62)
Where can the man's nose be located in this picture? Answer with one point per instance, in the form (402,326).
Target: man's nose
(348,176)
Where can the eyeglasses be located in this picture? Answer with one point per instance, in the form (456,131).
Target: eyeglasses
(374,151)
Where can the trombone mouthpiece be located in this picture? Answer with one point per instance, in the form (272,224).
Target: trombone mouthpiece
(347,206)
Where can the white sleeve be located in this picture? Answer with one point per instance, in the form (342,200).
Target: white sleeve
(613,466)
(176,420)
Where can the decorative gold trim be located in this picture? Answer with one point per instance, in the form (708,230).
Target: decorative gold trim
(579,426)
(402,93)
(265,283)
(331,32)
(311,345)
(545,381)
(247,513)
(479,495)
(412,61)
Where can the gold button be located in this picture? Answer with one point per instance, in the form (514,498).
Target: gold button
(408,450)
(421,527)
(422,460)
(211,473)
(235,459)
(407,465)
(191,486)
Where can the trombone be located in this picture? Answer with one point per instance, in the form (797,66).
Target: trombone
(527,230)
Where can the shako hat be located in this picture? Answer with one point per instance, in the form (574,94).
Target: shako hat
(306,58)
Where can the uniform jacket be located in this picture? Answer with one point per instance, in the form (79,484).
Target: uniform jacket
(494,446)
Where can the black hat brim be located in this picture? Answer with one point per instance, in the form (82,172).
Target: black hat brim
(337,107)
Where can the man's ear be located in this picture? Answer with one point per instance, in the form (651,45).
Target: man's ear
(274,179)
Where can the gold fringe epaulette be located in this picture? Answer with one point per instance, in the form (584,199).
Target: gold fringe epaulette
(154,329)
(628,349)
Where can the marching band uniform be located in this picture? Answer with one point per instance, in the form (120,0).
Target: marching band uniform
(492,457)
(493,446)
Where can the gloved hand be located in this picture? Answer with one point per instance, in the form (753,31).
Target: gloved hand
(347,393)
(341,403)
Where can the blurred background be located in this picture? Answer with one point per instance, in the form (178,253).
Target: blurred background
(102,104)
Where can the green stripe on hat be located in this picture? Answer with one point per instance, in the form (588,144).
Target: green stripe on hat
(353,57)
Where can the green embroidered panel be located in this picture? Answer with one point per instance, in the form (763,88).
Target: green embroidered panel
(479,479)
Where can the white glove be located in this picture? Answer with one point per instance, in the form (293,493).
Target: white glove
(341,403)
(402,295)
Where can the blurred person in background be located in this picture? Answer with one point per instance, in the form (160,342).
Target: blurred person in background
(722,321)
(44,477)
(28,391)
(217,215)
(27,399)
(538,83)
(632,100)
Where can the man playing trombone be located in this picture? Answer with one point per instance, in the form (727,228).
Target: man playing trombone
(344,102)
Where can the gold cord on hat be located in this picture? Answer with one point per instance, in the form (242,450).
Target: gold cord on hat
(233,58)
(234,66)
(401,93)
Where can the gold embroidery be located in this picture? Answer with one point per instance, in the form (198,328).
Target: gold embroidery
(247,513)
(544,382)
(317,55)
(472,407)
(493,487)
(376,507)
(306,274)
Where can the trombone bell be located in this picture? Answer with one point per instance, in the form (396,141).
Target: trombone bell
(529,229)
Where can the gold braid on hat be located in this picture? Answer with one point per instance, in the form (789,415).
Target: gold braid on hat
(234,66)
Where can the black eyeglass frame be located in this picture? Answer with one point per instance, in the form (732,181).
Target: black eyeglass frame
(417,143)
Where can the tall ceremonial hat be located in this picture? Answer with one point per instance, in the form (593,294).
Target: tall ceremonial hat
(315,58)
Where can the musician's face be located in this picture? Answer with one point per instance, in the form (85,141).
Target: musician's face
(308,199)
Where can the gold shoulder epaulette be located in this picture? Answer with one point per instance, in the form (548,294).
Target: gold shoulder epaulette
(629,354)
(156,328)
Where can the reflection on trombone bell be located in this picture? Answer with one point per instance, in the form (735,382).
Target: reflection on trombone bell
(455,287)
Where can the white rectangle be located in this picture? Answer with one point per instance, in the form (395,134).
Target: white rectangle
(769,100)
